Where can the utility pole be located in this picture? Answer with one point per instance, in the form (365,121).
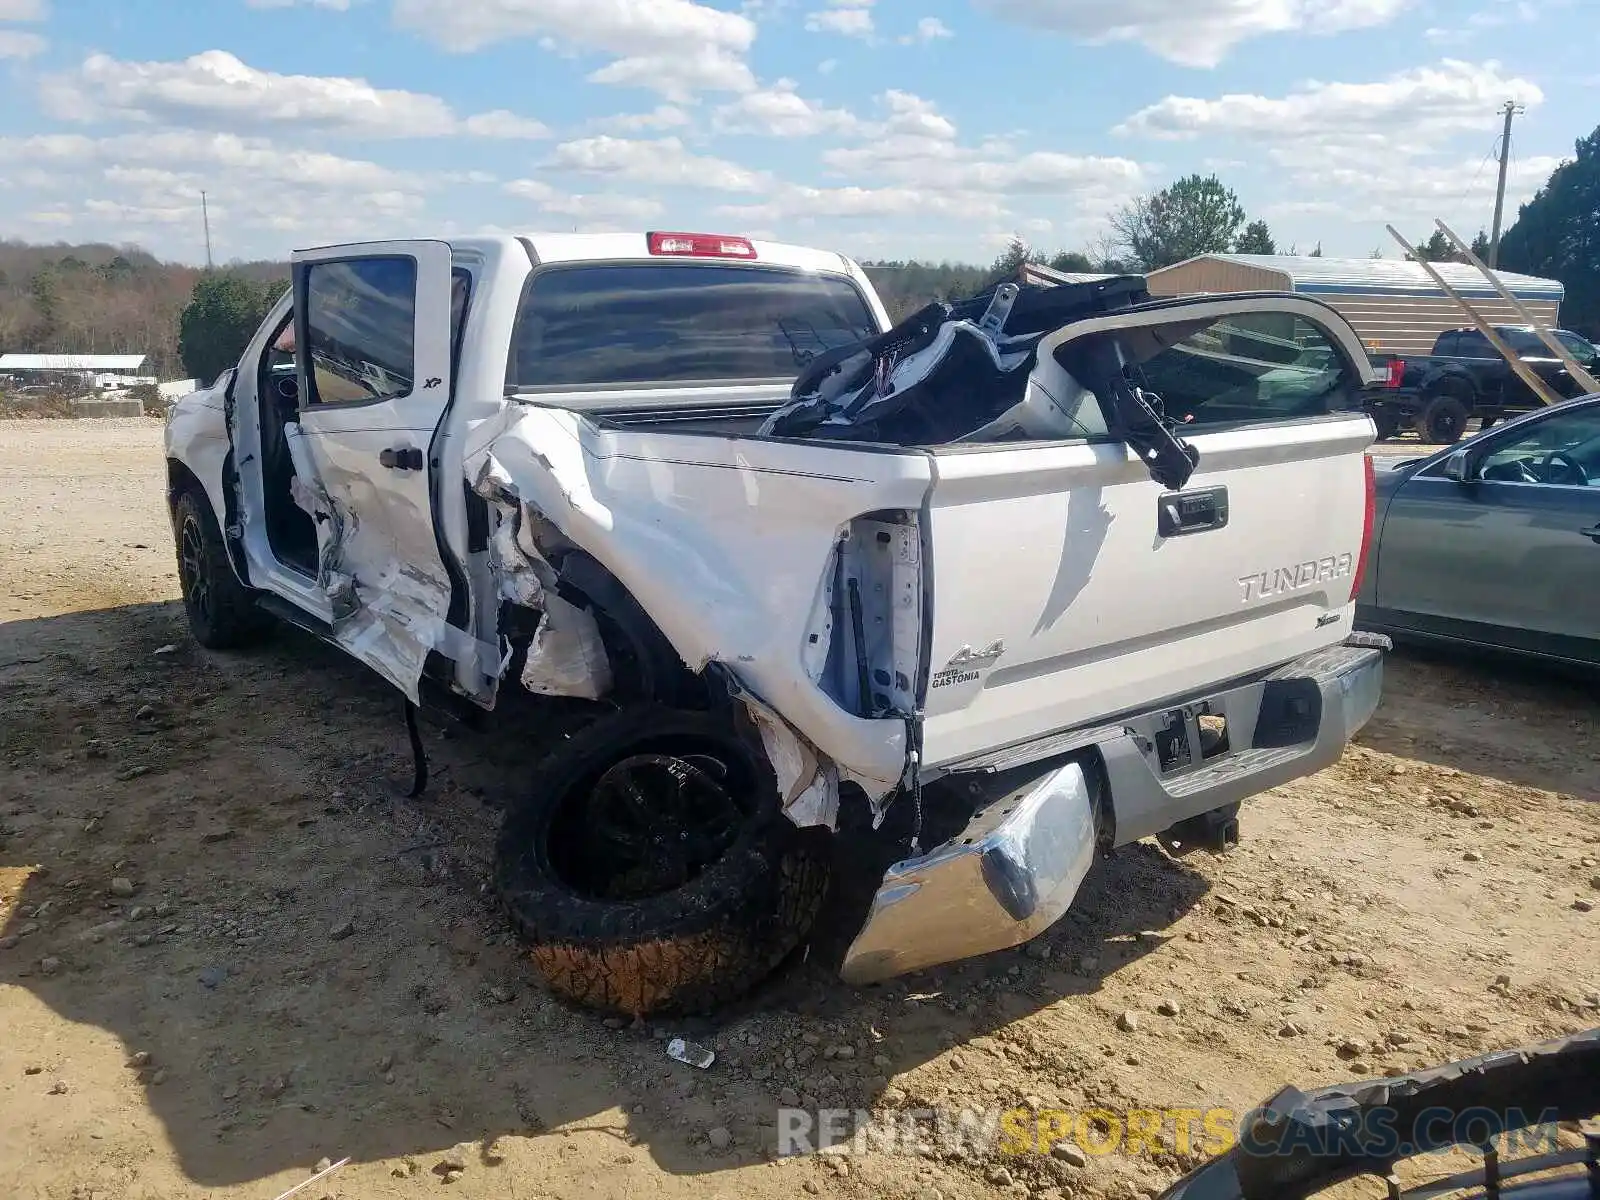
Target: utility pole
(1511,109)
(205,215)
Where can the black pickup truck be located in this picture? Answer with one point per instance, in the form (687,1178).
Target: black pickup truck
(1465,377)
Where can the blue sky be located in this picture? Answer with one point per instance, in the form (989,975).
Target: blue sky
(884,128)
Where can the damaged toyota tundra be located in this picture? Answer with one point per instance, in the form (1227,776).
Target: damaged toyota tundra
(1016,582)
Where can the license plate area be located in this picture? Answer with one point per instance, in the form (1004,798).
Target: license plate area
(1189,737)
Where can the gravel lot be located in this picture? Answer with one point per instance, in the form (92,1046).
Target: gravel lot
(227,951)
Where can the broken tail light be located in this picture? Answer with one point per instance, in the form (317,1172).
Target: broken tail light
(1360,573)
(701,245)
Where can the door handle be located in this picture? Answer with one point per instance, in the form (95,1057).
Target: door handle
(1184,513)
(1592,534)
(401,458)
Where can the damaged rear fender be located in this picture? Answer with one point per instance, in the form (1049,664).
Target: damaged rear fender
(726,545)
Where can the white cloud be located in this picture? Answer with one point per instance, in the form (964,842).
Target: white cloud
(911,115)
(1415,107)
(827,66)
(335,5)
(663,116)
(216,90)
(848,18)
(679,76)
(504,125)
(264,161)
(780,111)
(663,162)
(947,168)
(262,195)
(793,203)
(929,29)
(1195,33)
(1391,150)
(23,10)
(596,211)
(1456,190)
(16,43)
(673,46)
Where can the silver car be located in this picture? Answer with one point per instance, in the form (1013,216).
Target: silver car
(1494,542)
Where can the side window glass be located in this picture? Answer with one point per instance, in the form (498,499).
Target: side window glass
(1564,449)
(1242,368)
(1578,348)
(460,293)
(360,329)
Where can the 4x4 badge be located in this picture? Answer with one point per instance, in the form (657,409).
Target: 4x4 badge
(968,665)
(968,657)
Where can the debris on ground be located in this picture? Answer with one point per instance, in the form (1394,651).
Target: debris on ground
(690,1053)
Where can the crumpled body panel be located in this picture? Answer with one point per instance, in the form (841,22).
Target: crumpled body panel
(385,610)
(729,546)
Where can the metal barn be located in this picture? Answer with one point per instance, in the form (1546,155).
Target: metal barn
(1393,304)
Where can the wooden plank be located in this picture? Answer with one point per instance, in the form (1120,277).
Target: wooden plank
(1536,385)
(1585,380)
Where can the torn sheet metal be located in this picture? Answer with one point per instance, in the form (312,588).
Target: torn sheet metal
(520,572)
(312,499)
(567,656)
(713,538)
(808,784)
(387,615)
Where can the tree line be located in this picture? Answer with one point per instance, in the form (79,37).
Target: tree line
(104,299)
(101,299)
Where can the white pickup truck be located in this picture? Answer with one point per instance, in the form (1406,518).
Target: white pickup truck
(556,463)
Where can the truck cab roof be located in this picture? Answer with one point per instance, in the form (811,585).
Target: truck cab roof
(637,246)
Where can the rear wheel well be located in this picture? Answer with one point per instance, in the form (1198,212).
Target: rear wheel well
(645,666)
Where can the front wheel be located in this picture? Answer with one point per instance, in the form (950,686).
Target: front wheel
(651,869)
(222,611)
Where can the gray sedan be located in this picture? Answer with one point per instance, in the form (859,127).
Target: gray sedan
(1494,542)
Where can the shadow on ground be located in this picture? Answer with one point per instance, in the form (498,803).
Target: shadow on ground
(314,965)
(1491,715)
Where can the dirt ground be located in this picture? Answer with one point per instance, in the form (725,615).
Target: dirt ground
(228,951)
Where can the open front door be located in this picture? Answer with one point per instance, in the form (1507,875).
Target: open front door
(373,355)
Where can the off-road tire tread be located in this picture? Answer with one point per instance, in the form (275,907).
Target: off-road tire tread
(1448,397)
(236,620)
(690,950)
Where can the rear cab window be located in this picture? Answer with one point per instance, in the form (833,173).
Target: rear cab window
(643,324)
(1241,369)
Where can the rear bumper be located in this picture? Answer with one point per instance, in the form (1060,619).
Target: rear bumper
(1016,867)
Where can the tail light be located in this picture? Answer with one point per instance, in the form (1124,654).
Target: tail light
(701,245)
(1397,373)
(1360,573)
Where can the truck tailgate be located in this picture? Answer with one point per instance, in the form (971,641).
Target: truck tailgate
(1066,586)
